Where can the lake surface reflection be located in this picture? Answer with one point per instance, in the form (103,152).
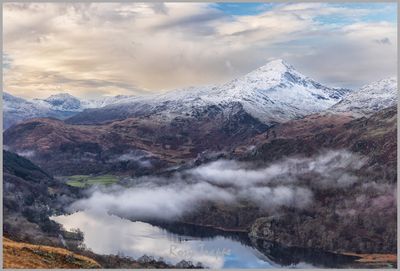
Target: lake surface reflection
(110,234)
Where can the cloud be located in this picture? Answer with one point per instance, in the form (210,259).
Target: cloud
(27,153)
(141,157)
(149,202)
(130,48)
(7,61)
(287,183)
(271,198)
(331,168)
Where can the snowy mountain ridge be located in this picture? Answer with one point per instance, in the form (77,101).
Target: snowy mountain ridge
(275,92)
(16,109)
(60,106)
(67,102)
(369,98)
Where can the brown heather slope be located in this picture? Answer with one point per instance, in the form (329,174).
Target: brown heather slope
(359,218)
(24,255)
(63,148)
(19,255)
(374,137)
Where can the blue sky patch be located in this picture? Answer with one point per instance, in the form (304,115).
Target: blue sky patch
(243,9)
(379,11)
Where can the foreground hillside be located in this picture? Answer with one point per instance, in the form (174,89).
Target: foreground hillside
(21,255)
(24,255)
(30,196)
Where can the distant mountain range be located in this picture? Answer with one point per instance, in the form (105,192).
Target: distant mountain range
(60,106)
(170,128)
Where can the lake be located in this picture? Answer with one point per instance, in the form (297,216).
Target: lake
(110,234)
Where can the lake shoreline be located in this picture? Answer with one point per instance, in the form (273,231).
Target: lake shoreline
(374,260)
(364,260)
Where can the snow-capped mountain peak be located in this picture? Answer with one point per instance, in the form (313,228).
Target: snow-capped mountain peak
(278,74)
(276,67)
(272,74)
(60,97)
(278,92)
(64,102)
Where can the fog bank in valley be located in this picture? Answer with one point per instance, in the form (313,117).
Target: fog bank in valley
(289,182)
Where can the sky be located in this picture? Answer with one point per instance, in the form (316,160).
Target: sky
(105,49)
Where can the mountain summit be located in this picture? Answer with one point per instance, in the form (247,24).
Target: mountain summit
(64,102)
(278,92)
(275,70)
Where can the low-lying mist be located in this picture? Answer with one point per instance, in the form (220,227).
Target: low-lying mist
(141,157)
(289,182)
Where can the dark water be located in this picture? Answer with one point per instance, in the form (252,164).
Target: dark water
(109,234)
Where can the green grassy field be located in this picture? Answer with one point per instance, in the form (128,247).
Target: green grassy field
(87,180)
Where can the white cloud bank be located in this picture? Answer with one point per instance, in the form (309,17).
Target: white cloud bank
(279,184)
